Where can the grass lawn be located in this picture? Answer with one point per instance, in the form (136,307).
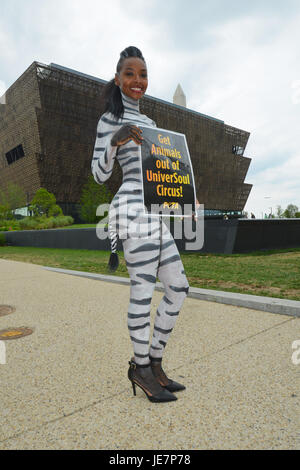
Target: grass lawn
(273,273)
(79,226)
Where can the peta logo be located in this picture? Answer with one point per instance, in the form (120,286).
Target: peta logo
(2,353)
(296,354)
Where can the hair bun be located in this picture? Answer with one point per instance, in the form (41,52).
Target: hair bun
(131,51)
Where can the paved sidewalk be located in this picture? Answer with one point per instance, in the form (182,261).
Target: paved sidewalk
(66,386)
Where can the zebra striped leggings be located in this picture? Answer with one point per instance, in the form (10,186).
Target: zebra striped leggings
(147,259)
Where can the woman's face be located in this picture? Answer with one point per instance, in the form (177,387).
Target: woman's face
(132,78)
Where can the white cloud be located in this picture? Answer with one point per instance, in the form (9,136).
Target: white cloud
(254,87)
(8,52)
(85,36)
(235,62)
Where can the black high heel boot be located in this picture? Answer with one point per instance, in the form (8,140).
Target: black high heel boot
(161,377)
(143,377)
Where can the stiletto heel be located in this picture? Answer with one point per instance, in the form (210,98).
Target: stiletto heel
(142,376)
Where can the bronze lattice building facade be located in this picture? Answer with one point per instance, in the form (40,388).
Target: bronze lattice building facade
(48,128)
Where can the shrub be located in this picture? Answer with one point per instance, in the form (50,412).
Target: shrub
(28,223)
(7,225)
(56,222)
(43,222)
(55,211)
(63,221)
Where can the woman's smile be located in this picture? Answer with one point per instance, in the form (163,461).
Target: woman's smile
(137,91)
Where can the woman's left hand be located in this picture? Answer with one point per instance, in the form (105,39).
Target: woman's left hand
(195,213)
(194,216)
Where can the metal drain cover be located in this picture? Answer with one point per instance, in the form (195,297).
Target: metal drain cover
(6,310)
(15,333)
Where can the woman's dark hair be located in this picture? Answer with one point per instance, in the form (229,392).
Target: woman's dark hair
(111,94)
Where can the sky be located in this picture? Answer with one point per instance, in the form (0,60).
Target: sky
(236,60)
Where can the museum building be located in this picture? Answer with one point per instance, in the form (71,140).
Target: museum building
(48,123)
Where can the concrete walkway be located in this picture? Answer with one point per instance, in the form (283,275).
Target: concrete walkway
(66,386)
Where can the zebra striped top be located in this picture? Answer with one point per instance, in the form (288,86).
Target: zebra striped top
(127,155)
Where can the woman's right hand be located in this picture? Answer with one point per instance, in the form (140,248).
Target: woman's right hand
(125,134)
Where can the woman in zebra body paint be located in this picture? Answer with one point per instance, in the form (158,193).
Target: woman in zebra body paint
(149,248)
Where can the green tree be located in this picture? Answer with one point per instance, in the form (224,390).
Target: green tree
(279,212)
(290,211)
(92,196)
(55,211)
(5,212)
(42,203)
(13,197)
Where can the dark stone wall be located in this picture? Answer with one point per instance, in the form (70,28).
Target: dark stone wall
(220,236)
(266,234)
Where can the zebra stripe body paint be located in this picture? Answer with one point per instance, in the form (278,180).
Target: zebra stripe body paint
(149,249)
